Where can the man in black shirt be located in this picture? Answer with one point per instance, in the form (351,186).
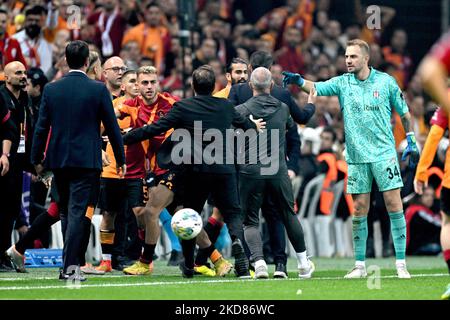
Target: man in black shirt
(211,174)
(264,171)
(16,99)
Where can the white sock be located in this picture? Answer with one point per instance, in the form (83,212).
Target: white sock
(400,261)
(360,264)
(260,263)
(106,257)
(302,259)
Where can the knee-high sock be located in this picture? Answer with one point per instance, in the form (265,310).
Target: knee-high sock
(359,231)
(107,243)
(165,219)
(41,224)
(212,229)
(398,230)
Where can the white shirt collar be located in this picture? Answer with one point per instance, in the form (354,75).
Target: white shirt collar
(74,70)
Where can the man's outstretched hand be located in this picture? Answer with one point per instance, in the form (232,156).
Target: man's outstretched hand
(292,78)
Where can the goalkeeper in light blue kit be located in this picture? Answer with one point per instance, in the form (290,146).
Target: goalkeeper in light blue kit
(367,97)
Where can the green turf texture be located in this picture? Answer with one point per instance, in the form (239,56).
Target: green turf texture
(429,279)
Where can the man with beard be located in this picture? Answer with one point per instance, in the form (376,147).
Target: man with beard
(237,72)
(36,50)
(9,47)
(16,100)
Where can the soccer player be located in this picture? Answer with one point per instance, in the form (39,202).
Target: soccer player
(367,97)
(434,71)
(116,193)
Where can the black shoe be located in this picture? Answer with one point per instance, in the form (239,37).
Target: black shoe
(269,259)
(117,263)
(6,265)
(176,257)
(186,272)
(241,267)
(280,271)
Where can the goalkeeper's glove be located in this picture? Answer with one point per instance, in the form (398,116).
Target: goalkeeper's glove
(411,150)
(292,78)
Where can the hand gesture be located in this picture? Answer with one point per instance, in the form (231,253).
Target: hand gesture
(292,78)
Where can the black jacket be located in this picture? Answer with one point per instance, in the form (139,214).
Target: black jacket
(212,113)
(241,92)
(268,146)
(8,130)
(74,107)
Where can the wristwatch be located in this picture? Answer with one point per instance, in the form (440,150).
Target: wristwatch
(6,154)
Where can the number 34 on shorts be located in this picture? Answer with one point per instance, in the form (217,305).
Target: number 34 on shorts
(386,174)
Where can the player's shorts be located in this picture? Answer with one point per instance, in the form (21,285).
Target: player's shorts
(386,173)
(172,180)
(445,200)
(117,194)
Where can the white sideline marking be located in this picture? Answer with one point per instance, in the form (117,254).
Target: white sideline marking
(189,282)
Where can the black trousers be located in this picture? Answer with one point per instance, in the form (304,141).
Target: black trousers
(77,188)
(275,228)
(224,192)
(252,194)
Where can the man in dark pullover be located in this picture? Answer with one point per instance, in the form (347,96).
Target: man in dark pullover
(264,171)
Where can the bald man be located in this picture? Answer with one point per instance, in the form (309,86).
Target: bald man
(113,69)
(16,99)
(269,175)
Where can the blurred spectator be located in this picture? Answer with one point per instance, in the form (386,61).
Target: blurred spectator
(9,47)
(417,110)
(110,24)
(332,46)
(277,77)
(151,35)
(36,50)
(205,53)
(220,31)
(289,57)
(396,54)
(423,225)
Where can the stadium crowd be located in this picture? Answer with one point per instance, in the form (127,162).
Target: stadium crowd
(132,39)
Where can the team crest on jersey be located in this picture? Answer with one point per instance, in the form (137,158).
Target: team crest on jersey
(161,113)
(376,94)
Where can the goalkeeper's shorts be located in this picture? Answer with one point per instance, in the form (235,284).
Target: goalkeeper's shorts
(387,175)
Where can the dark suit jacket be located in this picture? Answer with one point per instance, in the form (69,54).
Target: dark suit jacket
(213,113)
(73,108)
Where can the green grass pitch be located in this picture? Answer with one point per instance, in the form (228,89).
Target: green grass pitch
(429,279)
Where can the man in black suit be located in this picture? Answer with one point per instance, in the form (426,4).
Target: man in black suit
(73,108)
(239,94)
(210,174)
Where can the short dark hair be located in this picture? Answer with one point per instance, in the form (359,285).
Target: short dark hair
(261,59)
(37,77)
(235,61)
(3,11)
(331,131)
(203,80)
(77,52)
(126,73)
(36,10)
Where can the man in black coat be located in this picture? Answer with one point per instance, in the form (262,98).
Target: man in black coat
(269,174)
(73,108)
(205,172)
(239,94)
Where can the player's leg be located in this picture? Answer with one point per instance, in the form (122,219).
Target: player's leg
(176,254)
(41,224)
(159,198)
(445,229)
(111,203)
(389,181)
(359,185)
